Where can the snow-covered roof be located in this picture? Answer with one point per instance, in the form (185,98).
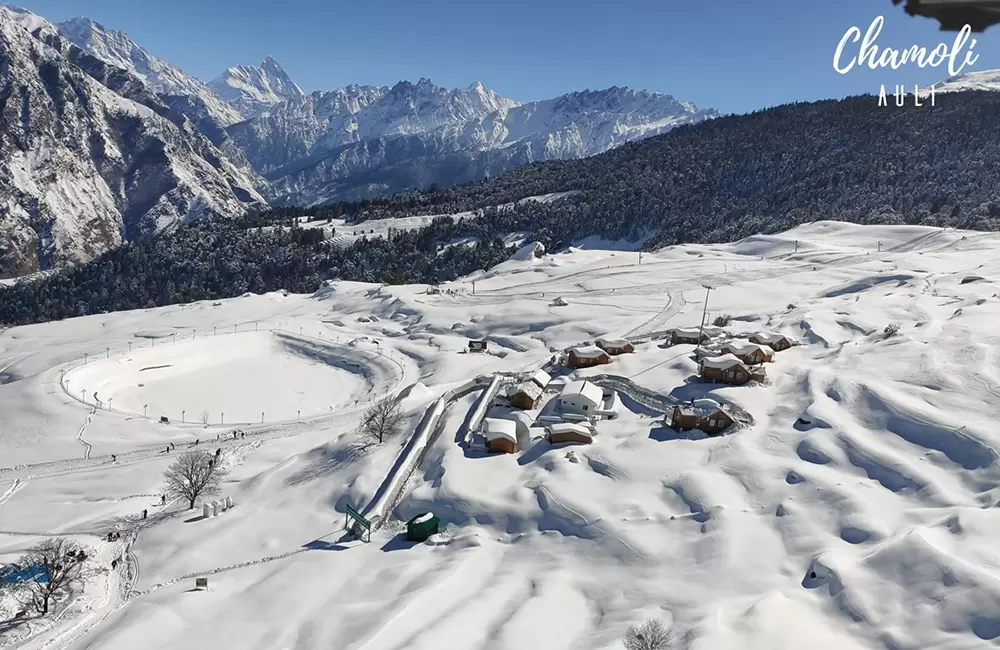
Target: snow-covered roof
(722,362)
(569,427)
(742,346)
(541,378)
(585,389)
(701,407)
(771,337)
(589,352)
(613,343)
(499,428)
(687,331)
(427,516)
(529,388)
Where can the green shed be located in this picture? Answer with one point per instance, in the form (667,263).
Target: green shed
(421,527)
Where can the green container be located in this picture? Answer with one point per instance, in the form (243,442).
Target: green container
(421,527)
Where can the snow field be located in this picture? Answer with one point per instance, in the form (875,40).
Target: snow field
(250,374)
(859,511)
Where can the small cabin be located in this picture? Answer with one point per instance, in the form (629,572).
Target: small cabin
(501,436)
(728,369)
(615,346)
(525,395)
(776,342)
(703,414)
(569,432)
(750,353)
(581,398)
(691,335)
(587,357)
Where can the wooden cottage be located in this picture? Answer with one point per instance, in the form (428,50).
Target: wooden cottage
(776,342)
(501,436)
(752,354)
(704,414)
(586,357)
(525,395)
(692,335)
(569,432)
(727,369)
(615,346)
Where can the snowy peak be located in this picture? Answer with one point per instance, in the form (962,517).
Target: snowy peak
(118,49)
(978,80)
(253,89)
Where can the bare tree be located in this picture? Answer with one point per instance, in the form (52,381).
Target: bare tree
(653,634)
(52,568)
(192,475)
(383,419)
(204,417)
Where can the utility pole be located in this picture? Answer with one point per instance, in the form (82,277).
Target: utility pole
(107,353)
(473,287)
(222,418)
(701,330)
(85,355)
(796,245)
(144,407)
(880,246)
(182,416)
(640,257)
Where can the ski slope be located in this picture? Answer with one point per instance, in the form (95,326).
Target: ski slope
(857,511)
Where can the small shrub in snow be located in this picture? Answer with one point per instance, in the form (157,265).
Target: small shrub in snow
(651,635)
(723,320)
(204,417)
(890,330)
(790,306)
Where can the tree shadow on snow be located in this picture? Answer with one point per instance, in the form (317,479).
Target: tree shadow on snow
(326,460)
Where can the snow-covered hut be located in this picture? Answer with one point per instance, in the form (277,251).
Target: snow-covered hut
(615,346)
(588,356)
(501,436)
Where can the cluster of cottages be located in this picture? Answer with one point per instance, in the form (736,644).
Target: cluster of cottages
(599,353)
(577,407)
(740,361)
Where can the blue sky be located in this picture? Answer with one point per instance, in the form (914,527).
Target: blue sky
(732,55)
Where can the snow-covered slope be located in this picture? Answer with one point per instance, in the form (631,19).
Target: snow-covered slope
(973,80)
(252,89)
(857,511)
(118,49)
(82,167)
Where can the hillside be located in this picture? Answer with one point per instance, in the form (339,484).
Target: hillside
(90,158)
(854,509)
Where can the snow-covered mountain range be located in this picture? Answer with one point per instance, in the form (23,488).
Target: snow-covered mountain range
(364,140)
(89,157)
(249,134)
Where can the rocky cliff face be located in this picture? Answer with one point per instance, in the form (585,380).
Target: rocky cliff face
(90,157)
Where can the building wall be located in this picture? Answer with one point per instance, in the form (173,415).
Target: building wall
(523,401)
(577,404)
(570,436)
(501,446)
(721,375)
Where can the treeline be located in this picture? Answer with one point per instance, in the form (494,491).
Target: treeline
(221,259)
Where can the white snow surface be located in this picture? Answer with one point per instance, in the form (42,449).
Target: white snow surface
(856,511)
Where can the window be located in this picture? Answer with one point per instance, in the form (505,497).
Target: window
(585,407)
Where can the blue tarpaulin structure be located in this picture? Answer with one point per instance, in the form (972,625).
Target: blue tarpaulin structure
(14,574)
